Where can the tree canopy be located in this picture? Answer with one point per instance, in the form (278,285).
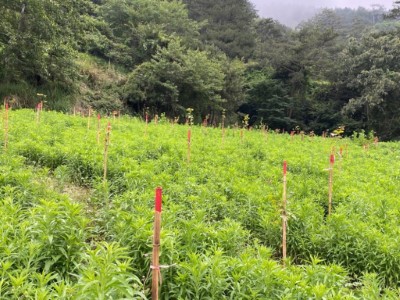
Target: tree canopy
(338,68)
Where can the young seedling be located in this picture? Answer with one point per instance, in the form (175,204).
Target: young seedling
(284,214)
(155,267)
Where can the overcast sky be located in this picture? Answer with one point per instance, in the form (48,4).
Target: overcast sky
(292,12)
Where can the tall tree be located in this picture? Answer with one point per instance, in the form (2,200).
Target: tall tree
(37,40)
(370,72)
(228,25)
(178,77)
(135,28)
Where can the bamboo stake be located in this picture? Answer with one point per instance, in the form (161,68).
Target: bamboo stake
(38,113)
(332,162)
(147,122)
(6,126)
(284,214)
(189,137)
(106,144)
(89,116)
(376,140)
(265,132)
(155,267)
(98,128)
(223,125)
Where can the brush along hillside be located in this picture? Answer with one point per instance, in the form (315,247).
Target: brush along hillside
(65,233)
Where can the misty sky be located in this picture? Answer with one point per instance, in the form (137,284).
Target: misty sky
(292,12)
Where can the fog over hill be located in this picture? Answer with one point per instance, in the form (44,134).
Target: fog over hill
(292,12)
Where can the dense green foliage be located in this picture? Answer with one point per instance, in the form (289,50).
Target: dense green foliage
(213,56)
(66,234)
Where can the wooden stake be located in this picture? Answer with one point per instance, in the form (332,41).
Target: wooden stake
(284,214)
(89,115)
(189,137)
(38,109)
(223,126)
(147,122)
(332,162)
(106,144)
(155,267)
(98,128)
(6,126)
(265,131)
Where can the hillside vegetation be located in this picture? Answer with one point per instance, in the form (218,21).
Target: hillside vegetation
(66,233)
(339,68)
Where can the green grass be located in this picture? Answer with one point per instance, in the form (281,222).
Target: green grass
(221,224)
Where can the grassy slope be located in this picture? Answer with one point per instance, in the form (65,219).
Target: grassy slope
(221,219)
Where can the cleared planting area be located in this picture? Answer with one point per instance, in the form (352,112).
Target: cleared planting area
(66,233)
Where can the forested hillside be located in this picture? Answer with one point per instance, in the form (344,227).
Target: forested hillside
(339,68)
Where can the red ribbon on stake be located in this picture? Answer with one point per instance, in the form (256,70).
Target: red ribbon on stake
(155,267)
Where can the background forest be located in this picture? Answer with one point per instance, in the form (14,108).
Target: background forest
(339,68)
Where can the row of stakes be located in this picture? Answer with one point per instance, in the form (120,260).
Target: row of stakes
(155,266)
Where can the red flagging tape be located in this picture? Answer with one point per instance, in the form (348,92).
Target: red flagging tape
(158,199)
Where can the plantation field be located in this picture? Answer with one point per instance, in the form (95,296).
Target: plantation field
(67,234)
